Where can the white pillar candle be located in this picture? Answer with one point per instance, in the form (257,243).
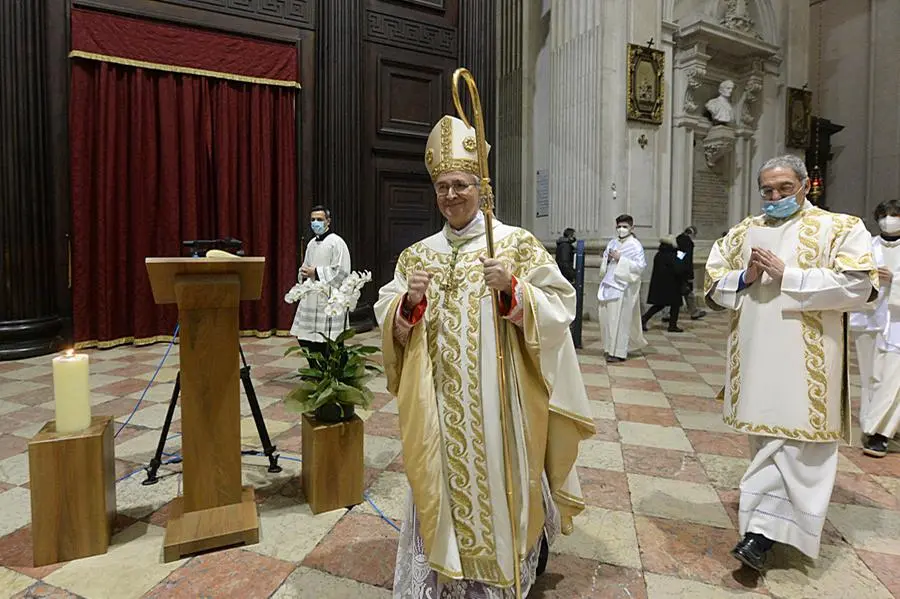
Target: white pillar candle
(71,392)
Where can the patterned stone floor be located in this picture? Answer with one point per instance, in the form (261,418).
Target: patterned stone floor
(660,479)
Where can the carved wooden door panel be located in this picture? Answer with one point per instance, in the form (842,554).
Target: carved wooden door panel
(410,52)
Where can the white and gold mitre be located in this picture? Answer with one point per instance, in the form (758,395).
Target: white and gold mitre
(451,147)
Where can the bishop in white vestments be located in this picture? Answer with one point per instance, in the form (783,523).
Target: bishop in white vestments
(440,360)
(788,276)
(880,417)
(620,292)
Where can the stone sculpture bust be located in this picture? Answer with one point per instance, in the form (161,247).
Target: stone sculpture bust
(720,109)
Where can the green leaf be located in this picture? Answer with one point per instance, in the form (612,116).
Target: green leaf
(293,350)
(311,373)
(347,334)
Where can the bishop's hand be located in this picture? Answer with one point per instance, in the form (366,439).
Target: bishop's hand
(768,262)
(417,286)
(495,275)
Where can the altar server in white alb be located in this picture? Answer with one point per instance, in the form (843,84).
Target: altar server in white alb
(788,276)
(326,259)
(620,292)
(880,416)
(865,329)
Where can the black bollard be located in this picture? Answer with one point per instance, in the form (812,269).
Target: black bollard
(579,293)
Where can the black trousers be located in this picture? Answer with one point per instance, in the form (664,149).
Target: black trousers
(656,308)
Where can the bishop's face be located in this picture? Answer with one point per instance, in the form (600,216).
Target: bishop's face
(457,197)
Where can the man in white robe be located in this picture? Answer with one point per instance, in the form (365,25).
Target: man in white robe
(326,259)
(620,292)
(865,326)
(880,417)
(788,276)
(441,364)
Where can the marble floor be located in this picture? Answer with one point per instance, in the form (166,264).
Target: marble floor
(660,480)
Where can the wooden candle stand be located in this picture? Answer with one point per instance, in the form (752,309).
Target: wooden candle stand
(73,491)
(332,463)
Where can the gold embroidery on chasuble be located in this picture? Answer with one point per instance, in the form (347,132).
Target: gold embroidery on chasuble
(809,254)
(453,322)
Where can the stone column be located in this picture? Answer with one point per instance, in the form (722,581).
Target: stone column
(883,176)
(579,142)
(513,103)
(34,282)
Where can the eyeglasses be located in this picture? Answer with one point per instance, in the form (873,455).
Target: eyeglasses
(458,187)
(784,190)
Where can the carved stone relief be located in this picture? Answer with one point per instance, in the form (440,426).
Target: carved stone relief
(693,77)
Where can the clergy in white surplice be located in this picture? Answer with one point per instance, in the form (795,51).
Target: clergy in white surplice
(619,294)
(788,276)
(441,363)
(880,417)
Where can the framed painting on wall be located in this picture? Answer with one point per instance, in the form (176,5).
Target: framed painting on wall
(798,117)
(645,85)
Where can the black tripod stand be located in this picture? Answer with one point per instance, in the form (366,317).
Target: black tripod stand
(268,448)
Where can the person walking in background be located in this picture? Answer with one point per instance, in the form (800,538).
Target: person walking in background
(879,417)
(565,254)
(670,273)
(865,326)
(620,291)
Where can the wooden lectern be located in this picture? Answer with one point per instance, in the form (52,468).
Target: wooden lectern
(214,510)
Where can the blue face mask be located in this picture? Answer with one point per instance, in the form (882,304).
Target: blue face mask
(318,227)
(782,208)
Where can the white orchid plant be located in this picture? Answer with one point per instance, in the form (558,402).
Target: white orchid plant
(339,375)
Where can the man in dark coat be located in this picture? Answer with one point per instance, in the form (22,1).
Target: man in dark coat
(565,254)
(669,276)
(685,244)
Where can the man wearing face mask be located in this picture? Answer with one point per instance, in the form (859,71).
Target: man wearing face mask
(620,292)
(789,275)
(326,259)
(880,416)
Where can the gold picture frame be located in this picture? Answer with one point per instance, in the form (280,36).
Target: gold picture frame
(645,84)
(798,118)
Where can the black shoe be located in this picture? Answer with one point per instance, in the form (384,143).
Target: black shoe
(543,556)
(614,359)
(751,550)
(698,315)
(675,330)
(644,326)
(876,446)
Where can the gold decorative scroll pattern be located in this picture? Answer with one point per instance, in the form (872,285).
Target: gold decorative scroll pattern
(458,386)
(809,256)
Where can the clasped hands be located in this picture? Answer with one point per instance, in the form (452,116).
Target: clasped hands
(496,276)
(763,261)
(308,272)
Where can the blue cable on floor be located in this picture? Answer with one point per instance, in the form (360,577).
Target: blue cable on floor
(150,382)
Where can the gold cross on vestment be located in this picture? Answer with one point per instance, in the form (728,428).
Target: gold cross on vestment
(450,284)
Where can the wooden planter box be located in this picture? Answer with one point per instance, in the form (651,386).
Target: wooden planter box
(332,463)
(73,491)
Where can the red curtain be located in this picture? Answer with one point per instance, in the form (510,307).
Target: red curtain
(159,157)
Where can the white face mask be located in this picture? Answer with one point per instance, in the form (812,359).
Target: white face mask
(890,225)
(623,232)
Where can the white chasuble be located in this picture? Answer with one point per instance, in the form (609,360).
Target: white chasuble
(443,372)
(619,296)
(786,371)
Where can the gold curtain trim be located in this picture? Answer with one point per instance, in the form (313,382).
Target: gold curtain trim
(184,70)
(141,341)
